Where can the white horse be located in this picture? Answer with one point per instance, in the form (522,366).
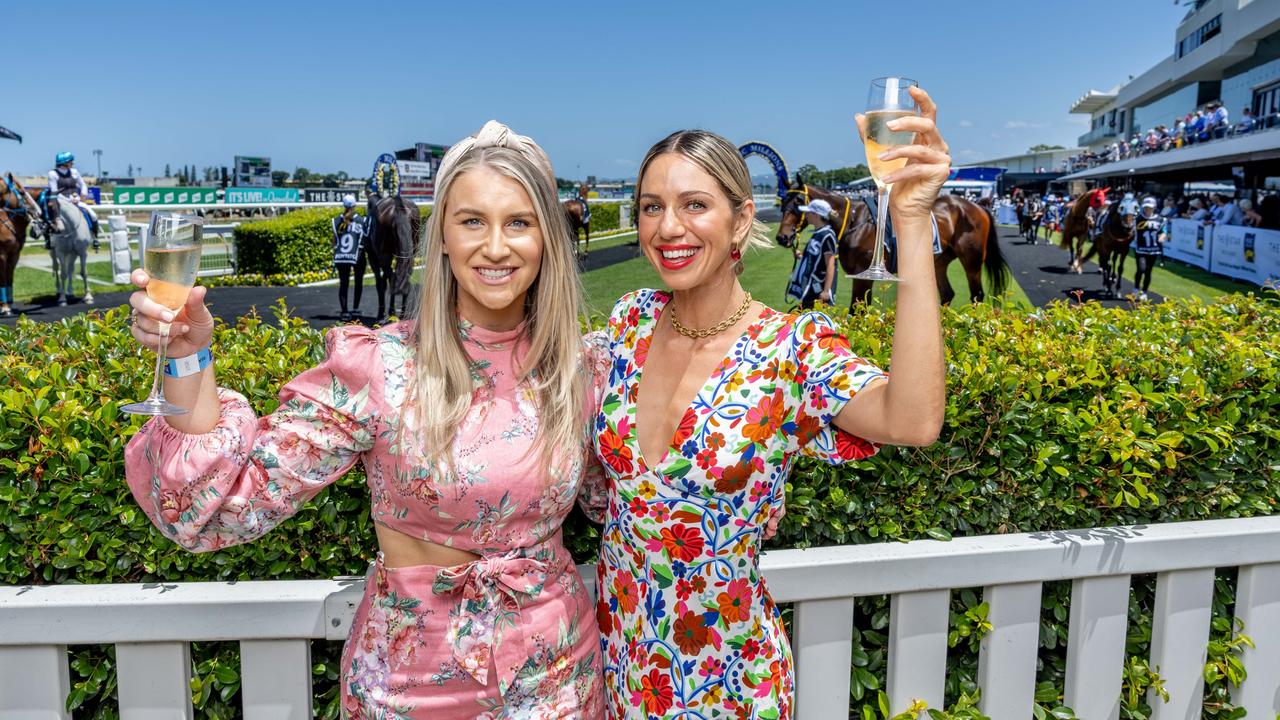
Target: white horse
(71,238)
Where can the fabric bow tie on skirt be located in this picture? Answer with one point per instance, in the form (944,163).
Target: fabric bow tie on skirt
(486,623)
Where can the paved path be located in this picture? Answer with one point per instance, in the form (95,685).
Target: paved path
(317,305)
(1042,272)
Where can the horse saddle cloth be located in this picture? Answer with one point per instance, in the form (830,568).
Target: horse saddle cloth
(1101,223)
(890,240)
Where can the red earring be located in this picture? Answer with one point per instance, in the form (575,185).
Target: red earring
(736,254)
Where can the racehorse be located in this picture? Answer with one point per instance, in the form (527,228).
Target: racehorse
(393,241)
(1112,246)
(16,208)
(966,232)
(1077,224)
(69,232)
(578,211)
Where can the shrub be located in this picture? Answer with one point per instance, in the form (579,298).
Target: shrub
(297,242)
(1064,417)
(604,216)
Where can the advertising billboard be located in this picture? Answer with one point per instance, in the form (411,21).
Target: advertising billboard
(252,171)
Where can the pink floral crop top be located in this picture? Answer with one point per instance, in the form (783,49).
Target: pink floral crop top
(241,479)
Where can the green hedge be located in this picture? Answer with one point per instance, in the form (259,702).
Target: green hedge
(302,241)
(297,242)
(1065,417)
(604,216)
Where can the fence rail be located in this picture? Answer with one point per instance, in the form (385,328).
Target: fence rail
(152,625)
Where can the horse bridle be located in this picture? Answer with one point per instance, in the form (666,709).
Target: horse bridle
(11,212)
(844,221)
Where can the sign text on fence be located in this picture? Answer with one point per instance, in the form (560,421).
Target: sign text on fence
(241,195)
(165,196)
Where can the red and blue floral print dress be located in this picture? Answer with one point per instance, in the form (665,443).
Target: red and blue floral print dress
(689,628)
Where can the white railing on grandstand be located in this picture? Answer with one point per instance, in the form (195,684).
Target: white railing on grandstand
(152,625)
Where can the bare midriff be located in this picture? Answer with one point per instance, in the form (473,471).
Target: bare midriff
(401,550)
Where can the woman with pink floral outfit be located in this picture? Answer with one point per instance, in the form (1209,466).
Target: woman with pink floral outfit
(471,421)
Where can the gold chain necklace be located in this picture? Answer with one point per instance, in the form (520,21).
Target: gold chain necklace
(715,329)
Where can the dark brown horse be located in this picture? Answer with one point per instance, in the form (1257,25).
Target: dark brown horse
(578,212)
(966,232)
(1111,244)
(393,243)
(1078,223)
(16,210)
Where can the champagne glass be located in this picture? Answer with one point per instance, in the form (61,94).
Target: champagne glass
(171,256)
(888,100)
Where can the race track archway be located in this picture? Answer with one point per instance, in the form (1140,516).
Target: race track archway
(767,152)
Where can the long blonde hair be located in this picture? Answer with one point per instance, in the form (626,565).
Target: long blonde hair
(721,160)
(440,393)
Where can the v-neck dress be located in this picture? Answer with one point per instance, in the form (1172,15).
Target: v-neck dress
(689,628)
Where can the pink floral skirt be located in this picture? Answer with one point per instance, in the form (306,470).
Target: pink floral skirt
(502,637)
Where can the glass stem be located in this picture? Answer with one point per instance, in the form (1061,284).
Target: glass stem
(882,216)
(157,384)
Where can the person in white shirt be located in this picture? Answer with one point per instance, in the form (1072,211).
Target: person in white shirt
(1220,123)
(1198,213)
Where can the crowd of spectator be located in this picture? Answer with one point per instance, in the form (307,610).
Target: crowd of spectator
(1208,209)
(1211,122)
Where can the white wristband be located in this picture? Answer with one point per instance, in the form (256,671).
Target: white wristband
(189,365)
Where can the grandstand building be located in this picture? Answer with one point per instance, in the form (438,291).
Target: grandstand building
(1223,51)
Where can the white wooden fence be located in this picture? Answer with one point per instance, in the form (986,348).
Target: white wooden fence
(152,625)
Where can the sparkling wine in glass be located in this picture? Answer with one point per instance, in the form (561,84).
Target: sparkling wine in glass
(171,257)
(888,100)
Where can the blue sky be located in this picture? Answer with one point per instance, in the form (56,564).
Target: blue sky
(330,85)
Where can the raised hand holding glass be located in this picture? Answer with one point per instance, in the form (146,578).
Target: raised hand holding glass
(171,257)
(888,100)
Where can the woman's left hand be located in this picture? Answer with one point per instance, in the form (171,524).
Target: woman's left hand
(916,186)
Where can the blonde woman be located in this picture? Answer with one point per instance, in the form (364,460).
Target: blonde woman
(471,423)
(711,397)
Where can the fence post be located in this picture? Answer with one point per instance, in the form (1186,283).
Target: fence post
(823,652)
(34,682)
(121,264)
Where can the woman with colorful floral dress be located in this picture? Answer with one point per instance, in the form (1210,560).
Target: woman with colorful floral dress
(471,423)
(710,398)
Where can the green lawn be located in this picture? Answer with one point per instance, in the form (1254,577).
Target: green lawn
(30,283)
(765,276)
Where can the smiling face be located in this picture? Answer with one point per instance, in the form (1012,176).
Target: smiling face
(494,244)
(687,225)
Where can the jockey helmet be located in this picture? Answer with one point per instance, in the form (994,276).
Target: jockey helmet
(63,158)
(348,200)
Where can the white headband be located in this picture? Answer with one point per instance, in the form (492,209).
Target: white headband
(495,134)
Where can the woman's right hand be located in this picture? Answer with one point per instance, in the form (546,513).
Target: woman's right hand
(191,328)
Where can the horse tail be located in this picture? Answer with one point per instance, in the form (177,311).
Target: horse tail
(994,262)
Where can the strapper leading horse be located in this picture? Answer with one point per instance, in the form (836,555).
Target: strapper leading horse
(393,241)
(966,231)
